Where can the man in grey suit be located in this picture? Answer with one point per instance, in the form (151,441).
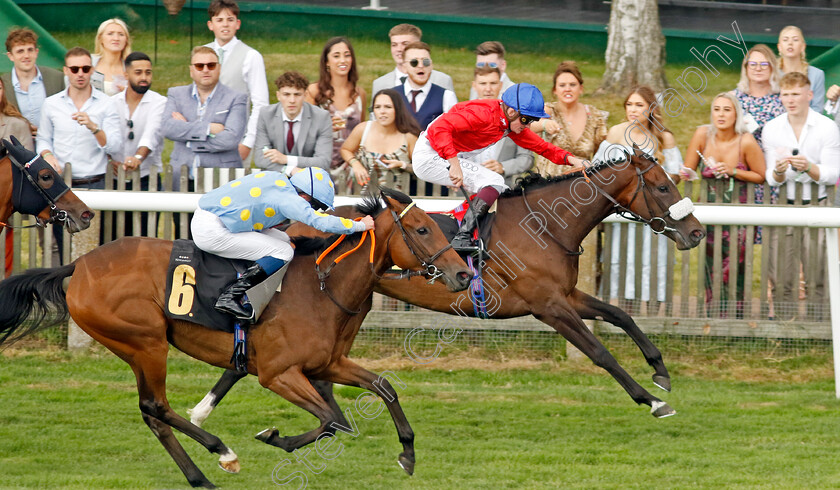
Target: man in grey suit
(205,119)
(504,157)
(401,36)
(28,85)
(293,133)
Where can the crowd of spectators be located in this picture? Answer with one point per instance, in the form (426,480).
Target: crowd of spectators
(102,115)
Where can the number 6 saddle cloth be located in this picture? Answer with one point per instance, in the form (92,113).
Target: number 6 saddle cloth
(195,279)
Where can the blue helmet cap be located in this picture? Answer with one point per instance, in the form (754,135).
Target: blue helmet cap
(317,183)
(526,99)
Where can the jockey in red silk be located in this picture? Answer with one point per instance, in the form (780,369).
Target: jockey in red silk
(235,221)
(449,151)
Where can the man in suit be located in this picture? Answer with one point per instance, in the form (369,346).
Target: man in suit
(293,133)
(205,119)
(401,36)
(504,156)
(28,85)
(425,100)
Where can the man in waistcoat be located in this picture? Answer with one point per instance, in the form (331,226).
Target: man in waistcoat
(243,68)
(426,100)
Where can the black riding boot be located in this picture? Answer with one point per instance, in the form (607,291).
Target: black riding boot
(463,241)
(231,300)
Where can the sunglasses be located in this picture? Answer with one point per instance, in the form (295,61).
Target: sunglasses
(210,66)
(417,61)
(130,124)
(75,69)
(755,65)
(482,64)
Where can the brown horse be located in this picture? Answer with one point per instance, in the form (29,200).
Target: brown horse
(532,267)
(116,294)
(29,185)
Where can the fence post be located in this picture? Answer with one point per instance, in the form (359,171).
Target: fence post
(374,5)
(82,243)
(833,262)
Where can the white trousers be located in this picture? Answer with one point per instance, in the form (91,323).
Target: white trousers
(211,235)
(431,167)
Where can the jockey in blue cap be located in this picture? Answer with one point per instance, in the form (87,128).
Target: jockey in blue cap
(447,153)
(235,221)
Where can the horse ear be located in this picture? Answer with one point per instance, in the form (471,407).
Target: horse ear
(638,151)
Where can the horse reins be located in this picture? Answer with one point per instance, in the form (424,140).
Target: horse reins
(430,271)
(624,212)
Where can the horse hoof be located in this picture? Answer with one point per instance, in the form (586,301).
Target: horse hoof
(661,409)
(406,464)
(663,382)
(230,466)
(267,435)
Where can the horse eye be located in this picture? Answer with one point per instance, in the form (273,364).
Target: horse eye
(423,231)
(663,188)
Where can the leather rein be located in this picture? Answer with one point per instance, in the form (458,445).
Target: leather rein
(623,211)
(426,261)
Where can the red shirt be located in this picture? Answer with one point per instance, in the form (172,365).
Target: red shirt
(477,124)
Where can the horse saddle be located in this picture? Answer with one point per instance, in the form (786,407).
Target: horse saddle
(196,279)
(450,221)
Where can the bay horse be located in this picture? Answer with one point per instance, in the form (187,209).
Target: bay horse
(532,268)
(29,185)
(116,294)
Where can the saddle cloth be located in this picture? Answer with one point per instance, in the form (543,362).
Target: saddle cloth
(195,279)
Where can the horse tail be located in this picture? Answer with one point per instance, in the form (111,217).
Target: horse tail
(32,301)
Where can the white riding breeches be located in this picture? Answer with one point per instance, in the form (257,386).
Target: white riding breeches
(211,235)
(431,167)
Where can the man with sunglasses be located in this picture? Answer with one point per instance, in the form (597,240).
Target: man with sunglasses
(400,36)
(449,151)
(141,114)
(425,100)
(205,119)
(79,125)
(491,54)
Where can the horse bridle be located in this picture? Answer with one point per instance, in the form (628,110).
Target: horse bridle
(56,215)
(684,207)
(430,269)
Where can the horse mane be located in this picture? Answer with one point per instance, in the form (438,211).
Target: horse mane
(532,180)
(370,205)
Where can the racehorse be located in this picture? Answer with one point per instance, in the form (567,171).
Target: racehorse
(29,185)
(116,295)
(532,268)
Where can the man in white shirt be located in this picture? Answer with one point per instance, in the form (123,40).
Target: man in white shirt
(401,36)
(293,133)
(425,99)
(801,146)
(491,54)
(141,114)
(243,67)
(504,156)
(79,125)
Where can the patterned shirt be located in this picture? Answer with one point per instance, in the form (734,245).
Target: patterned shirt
(762,109)
(265,199)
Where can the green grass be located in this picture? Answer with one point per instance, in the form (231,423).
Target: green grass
(74,423)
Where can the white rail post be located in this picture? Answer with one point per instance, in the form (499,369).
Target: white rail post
(833,263)
(374,5)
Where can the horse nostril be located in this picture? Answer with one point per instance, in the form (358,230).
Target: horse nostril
(87,216)
(465,276)
(698,235)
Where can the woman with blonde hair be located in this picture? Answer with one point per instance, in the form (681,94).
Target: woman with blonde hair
(337,92)
(792,58)
(643,127)
(574,126)
(758,88)
(730,152)
(112,45)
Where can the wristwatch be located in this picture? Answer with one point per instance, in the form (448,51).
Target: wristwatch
(98,129)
